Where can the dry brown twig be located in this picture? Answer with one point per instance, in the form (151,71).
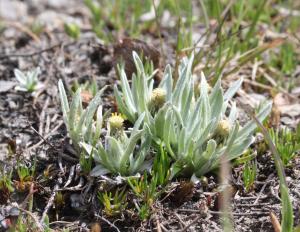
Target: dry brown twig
(263,188)
(34,217)
(158,226)
(29,195)
(23,28)
(108,222)
(44,138)
(225,199)
(275,222)
(35,53)
(241,214)
(43,115)
(49,204)
(192,223)
(182,224)
(39,226)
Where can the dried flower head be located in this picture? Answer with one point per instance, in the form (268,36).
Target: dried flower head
(116,121)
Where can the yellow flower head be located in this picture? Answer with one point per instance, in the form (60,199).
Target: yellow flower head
(116,121)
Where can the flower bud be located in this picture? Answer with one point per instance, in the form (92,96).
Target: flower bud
(223,129)
(158,98)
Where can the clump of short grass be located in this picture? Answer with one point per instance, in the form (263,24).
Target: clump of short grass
(287,143)
(249,175)
(113,203)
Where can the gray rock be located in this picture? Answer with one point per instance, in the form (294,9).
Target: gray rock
(13,10)
(58,3)
(6,85)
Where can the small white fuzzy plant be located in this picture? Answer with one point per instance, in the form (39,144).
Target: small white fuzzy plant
(195,129)
(80,122)
(28,81)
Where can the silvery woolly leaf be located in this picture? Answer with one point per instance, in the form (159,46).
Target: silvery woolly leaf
(137,92)
(195,179)
(87,115)
(33,75)
(178,117)
(194,114)
(101,156)
(204,162)
(167,82)
(233,148)
(233,89)
(216,104)
(209,129)
(167,127)
(87,147)
(122,107)
(137,162)
(160,120)
(130,146)
(150,78)
(138,63)
(98,125)
(93,105)
(190,145)
(99,115)
(20,76)
(232,138)
(287,209)
(204,105)
(239,147)
(138,123)
(194,130)
(233,114)
(184,78)
(73,114)
(176,168)
(145,96)
(215,90)
(135,89)
(115,150)
(186,101)
(181,143)
(251,125)
(63,100)
(126,92)
(146,165)
(19,88)
(99,170)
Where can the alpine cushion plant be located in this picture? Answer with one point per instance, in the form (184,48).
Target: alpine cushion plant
(80,122)
(196,130)
(121,154)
